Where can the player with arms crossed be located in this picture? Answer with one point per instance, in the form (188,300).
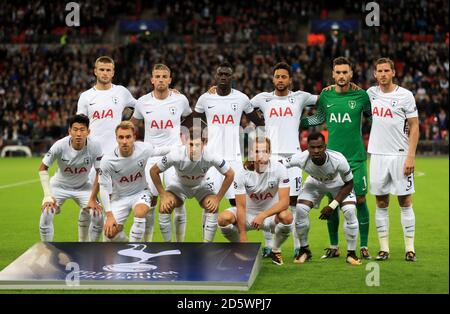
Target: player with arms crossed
(123,185)
(222,112)
(393,154)
(75,154)
(262,200)
(191,163)
(342,108)
(282,111)
(329,172)
(162,111)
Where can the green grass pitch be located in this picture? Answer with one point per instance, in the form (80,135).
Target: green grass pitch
(21,195)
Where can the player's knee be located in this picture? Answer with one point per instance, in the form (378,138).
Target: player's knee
(349,211)
(225,219)
(360,199)
(382,201)
(302,211)
(285,217)
(140,211)
(405,201)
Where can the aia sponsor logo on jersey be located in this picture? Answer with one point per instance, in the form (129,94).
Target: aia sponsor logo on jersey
(161,124)
(102,114)
(338,118)
(222,119)
(382,112)
(261,196)
(281,112)
(131,178)
(75,170)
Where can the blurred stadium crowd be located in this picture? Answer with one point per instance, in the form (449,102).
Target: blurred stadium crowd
(44,65)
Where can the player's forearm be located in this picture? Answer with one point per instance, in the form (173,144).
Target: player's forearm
(95,189)
(45,182)
(277,208)
(345,190)
(154,174)
(104,197)
(229,176)
(413,140)
(256,118)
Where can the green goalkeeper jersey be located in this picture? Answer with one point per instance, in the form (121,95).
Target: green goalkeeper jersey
(342,113)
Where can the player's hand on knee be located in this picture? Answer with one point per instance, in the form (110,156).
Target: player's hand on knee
(258,221)
(95,207)
(110,225)
(326,212)
(212,203)
(49,204)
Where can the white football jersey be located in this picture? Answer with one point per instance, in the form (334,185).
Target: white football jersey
(73,165)
(261,189)
(192,173)
(223,115)
(390,112)
(162,118)
(282,116)
(125,176)
(334,172)
(104,109)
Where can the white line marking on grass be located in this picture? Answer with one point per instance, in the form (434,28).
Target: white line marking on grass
(18,184)
(419,174)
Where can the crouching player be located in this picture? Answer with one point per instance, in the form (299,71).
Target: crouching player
(123,186)
(75,154)
(329,172)
(191,162)
(262,201)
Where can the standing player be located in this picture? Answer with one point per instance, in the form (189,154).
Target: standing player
(191,163)
(162,111)
(123,186)
(223,112)
(282,111)
(262,201)
(342,108)
(104,104)
(329,172)
(75,154)
(392,154)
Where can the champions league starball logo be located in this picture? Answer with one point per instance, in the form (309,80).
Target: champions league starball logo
(143,265)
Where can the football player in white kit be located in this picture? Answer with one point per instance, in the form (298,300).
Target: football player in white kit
(191,163)
(262,200)
(123,185)
(329,172)
(162,111)
(393,154)
(282,111)
(104,104)
(222,111)
(75,155)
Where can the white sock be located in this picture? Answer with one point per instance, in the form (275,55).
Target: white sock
(179,221)
(351,226)
(294,231)
(84,220)
(268,237)
(137,229)
(210,227)
(382,223)
(120,237)
(165,225)
(230,232)
(96,226)
(408,220)
(282,232)
(302,224)
(149,225)
(46,226)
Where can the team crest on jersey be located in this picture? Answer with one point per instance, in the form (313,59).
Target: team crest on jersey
(394,103)
(272,184)
(115,99)
(234,106)
(87,160)
(140,163)
(291,100)
(352,104)
(172,110)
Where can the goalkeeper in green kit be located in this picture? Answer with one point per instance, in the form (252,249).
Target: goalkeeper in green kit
(342,107)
